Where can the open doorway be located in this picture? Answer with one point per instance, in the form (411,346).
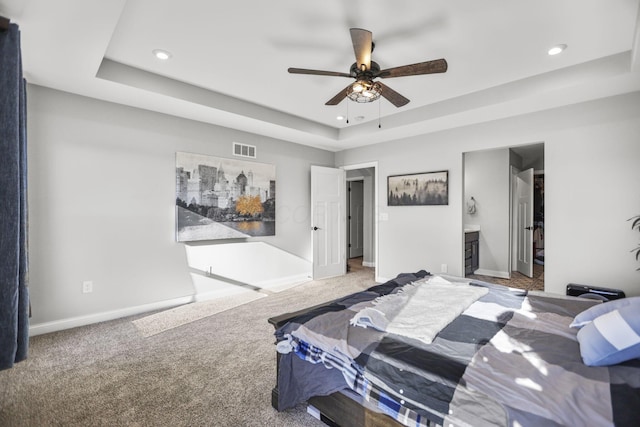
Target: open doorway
(361,247)
(491,211)
(355,218)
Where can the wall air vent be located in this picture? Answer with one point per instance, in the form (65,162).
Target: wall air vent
(244,150)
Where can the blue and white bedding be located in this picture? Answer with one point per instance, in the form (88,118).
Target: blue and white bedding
(510,358)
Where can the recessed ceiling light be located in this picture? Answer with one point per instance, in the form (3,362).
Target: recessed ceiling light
(557,49)
(340,118)
(359,118)
(161,54)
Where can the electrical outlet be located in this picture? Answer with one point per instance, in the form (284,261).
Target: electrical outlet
(87,286)
(443,268)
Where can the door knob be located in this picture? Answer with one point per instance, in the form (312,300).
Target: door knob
(528,228)
(315,228)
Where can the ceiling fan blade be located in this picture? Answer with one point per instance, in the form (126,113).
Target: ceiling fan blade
(361,40)
(318,72)
(392,96)
(429,67)
(339,97)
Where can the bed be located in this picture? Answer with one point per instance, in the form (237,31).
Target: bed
(502,357)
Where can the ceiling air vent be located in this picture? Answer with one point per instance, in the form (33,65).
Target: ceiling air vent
(244,150)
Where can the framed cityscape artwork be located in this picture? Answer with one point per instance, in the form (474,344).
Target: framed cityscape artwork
(220,198)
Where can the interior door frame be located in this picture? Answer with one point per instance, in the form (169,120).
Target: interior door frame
(373,165)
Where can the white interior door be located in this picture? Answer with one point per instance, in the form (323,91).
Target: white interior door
(524,222)
(356,216)
(328,212)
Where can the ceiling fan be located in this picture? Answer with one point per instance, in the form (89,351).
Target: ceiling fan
(364,70)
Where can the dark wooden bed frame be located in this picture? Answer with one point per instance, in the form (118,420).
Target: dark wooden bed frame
(336,409)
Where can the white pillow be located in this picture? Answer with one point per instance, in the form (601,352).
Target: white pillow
(613,337)
(597,310)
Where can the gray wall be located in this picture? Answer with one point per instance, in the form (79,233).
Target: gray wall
(102,196)
(591,189)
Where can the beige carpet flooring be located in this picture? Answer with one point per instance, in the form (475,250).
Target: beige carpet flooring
(215,371)
(168,319)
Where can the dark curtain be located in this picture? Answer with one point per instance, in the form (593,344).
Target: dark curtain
(14,296)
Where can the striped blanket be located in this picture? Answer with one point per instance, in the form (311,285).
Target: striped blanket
(509,359)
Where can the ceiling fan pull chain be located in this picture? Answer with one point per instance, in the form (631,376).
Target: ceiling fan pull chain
(347,113)
(379,114)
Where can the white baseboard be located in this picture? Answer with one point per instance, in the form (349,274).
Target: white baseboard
(493,273)
(74,322)
(368,264)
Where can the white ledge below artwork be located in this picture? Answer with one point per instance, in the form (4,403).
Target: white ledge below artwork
(224,269)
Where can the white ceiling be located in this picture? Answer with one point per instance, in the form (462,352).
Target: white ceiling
(230,59)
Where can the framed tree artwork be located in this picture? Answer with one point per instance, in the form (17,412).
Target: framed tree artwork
(418,189)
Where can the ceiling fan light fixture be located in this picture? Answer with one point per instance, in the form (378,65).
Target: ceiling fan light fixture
(364,91)
(357,87)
